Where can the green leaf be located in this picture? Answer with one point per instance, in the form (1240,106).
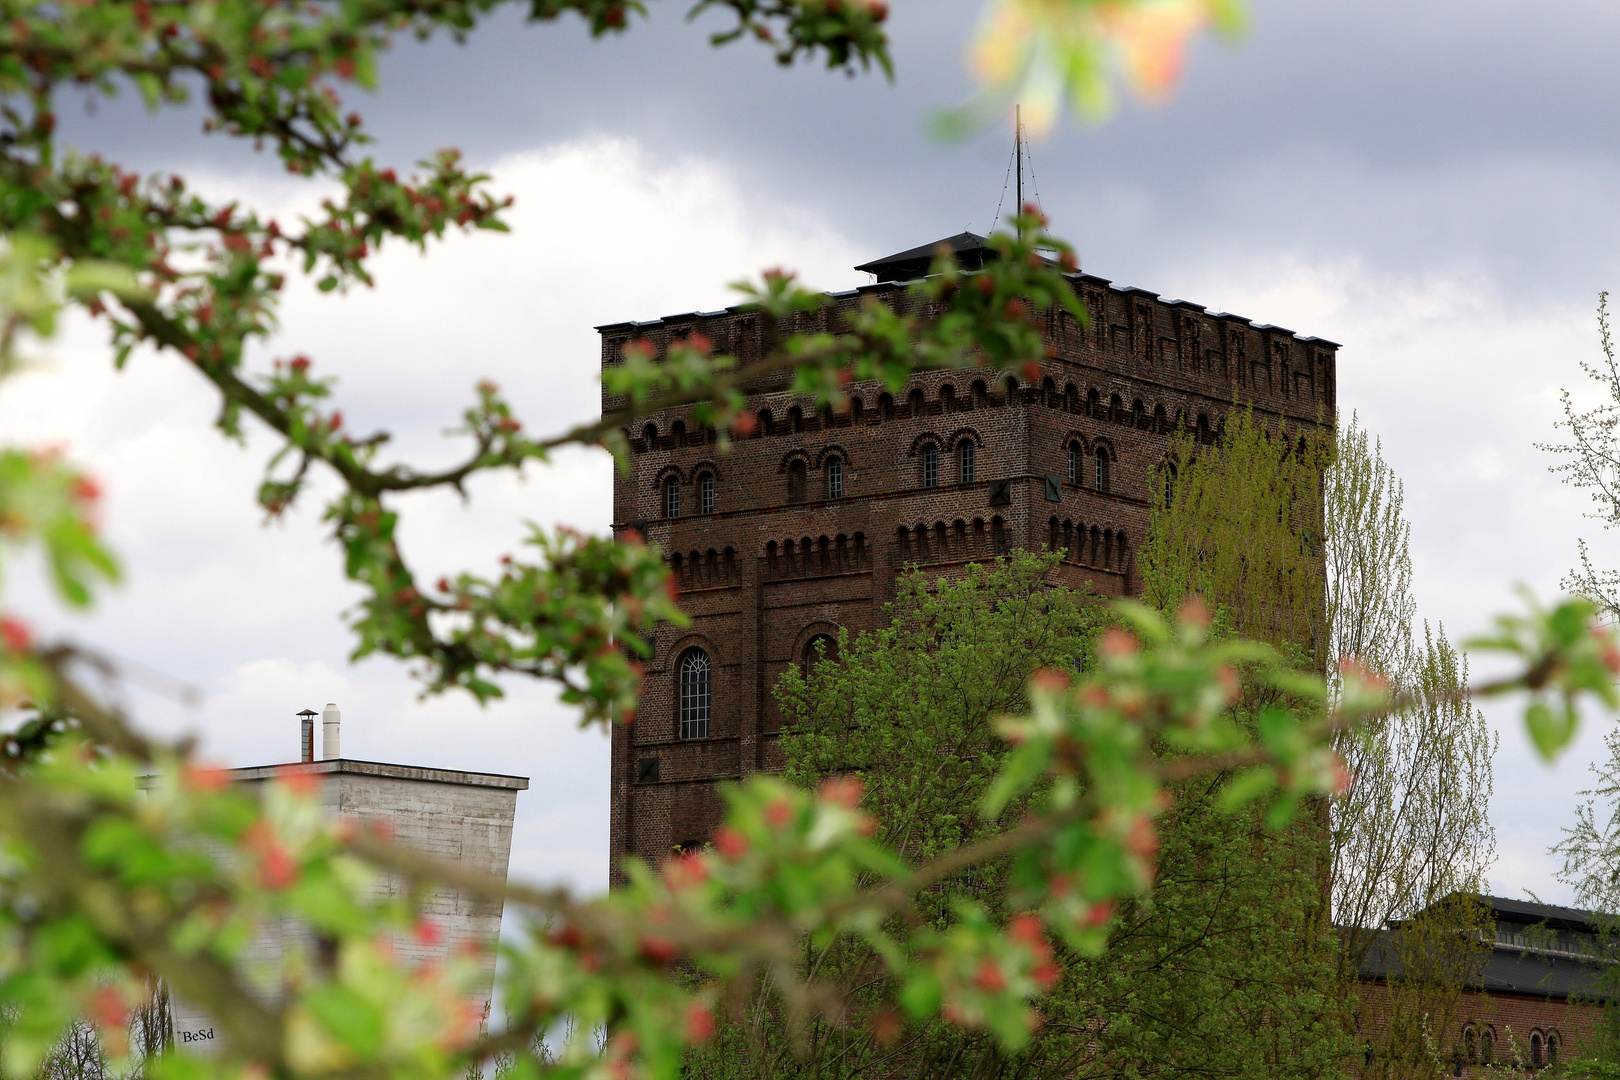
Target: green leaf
(348,1017)
(1549,733)
(1246,787)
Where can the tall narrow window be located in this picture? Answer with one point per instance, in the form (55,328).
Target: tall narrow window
(672,497)
(706,493)
(695,694)
(1102,469)
(835,478)
(930,465)
(796,482)
(820,649)
(1074,464)
(964,456)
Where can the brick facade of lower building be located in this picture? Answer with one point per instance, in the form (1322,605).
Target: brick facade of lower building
(802,526)
(1533,999)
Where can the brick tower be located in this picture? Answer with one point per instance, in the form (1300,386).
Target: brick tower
(802,526)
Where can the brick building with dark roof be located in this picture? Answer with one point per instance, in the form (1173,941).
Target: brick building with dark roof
(802,526)
(1533,996)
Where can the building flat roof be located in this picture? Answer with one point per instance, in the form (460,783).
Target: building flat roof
(380,768)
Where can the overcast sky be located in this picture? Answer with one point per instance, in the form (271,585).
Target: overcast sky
(1428,184)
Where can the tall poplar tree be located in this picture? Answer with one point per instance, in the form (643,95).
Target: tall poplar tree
(1300,538)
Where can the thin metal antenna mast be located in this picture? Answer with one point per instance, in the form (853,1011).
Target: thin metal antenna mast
(1018,151)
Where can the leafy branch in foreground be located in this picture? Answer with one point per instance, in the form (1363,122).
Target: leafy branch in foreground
(102,882)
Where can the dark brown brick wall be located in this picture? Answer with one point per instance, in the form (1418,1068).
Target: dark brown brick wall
(1507,1019)
(762,575)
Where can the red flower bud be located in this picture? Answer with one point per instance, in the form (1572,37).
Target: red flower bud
(1051,680)
(730,843)
(699,1023)
(204,777)
(277,870)
(841,791)
(886,1028)
(1117,644)
(14,635)
(1194,612)
(660,950)
(1025,928)
(566,937)
(989,978)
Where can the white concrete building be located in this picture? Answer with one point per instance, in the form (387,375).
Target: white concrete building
(454,816)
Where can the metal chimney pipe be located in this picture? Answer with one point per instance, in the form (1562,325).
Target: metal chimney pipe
(330,719)
(306,745)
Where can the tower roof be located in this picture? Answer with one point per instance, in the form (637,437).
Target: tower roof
(969,248)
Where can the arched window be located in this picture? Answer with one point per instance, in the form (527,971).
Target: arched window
(678,432)
(672,497)
(705,487)
(1552,1047)
(856,408)
(1094,405)
(765,421)
(981,394)
(930,465)
(835,478)
(821,649)
(1169,484)
(696,694)
(796,482)
(650,433)
(1470,1046)
(1074,463)
(796,418)
(1102,469)
(964,460)
(1012,390)
(915,402)
(886,406)
(1538,1050)
(1487,1045)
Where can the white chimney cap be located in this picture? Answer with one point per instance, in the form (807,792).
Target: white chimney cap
(330,721)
